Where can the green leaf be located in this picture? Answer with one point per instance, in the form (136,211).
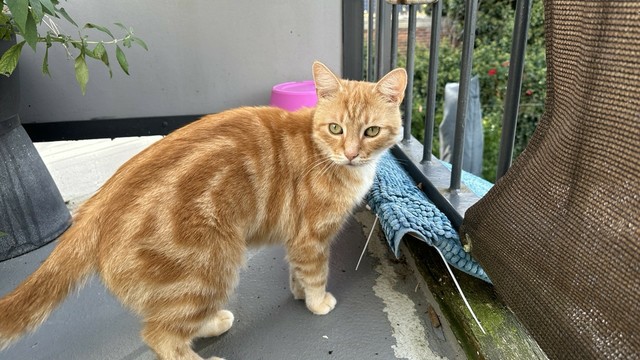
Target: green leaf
(19,10)
(90,53)
(49,8)
(98,27)
(5,34)
(9,59)
(3,234)
(122,60)
(45,61)
(36,10)
(127,41)
(31,32)
(101,53)
(63,12)
(84,48)
(121,26)
(82,72)
(5,27)
(139,41)
(99,50)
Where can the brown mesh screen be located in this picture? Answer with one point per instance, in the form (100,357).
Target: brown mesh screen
(559,234)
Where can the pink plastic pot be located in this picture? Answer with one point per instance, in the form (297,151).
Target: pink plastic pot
(294,95)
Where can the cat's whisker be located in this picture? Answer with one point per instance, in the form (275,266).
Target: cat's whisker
(330,166)
(314,165)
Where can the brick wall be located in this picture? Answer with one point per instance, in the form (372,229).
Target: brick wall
(423,35)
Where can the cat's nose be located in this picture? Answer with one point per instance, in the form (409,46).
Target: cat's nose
(350,155)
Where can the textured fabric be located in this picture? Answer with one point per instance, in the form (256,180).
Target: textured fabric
(559,235)
(404,209)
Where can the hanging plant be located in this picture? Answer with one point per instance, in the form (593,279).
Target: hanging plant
(25,19)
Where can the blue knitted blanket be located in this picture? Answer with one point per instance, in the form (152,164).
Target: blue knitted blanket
(404,209)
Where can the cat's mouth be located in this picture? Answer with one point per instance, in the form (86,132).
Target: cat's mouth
(357,162)
(354,163)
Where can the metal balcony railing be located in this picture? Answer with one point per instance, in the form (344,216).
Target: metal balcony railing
(442,186)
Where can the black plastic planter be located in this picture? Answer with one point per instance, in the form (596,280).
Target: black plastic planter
(32,211)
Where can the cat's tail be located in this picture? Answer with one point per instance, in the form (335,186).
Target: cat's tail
(27,306)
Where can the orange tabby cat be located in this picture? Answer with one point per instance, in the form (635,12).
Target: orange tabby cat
(167,233)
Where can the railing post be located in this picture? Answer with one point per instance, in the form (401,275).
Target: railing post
(436,17)
(395,10)
(470,19)
(411,47)
(370,75)
(382,39)
(353,39)
(514,86)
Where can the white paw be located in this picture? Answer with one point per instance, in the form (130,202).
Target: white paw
(322,307)
(220,324)
(224,320)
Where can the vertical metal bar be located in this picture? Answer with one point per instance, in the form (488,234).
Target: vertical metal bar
(353,39)
(436,17)
(411,47)
(514,86)
(382,39)
(470,19)
(370,42)
(394,35)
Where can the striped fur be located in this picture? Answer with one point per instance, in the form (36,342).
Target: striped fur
(168,232)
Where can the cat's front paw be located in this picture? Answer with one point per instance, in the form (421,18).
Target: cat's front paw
(322,305)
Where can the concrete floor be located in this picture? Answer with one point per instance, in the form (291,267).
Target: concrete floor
(381,311)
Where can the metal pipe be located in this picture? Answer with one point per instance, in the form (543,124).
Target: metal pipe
(411,47)
(470,19)
(436,17)
(394,36)
(370,42)
(514,86)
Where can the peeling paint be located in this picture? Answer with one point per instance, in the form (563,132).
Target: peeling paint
(408,332)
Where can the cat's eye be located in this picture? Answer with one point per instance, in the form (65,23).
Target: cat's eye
(335,129)
(372,131)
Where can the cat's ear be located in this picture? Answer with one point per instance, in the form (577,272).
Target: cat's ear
(392,86)
(327,84)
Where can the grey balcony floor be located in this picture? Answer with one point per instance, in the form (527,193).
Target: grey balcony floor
(381,313)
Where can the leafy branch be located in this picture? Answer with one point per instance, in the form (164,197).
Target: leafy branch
(22,17)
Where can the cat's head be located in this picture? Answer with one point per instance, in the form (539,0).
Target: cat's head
(354,121)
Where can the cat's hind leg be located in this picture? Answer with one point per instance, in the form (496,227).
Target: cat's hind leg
(217,325)
(169,342)
(173,341)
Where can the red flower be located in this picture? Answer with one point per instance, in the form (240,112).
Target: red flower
(492,72)
(528,92)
